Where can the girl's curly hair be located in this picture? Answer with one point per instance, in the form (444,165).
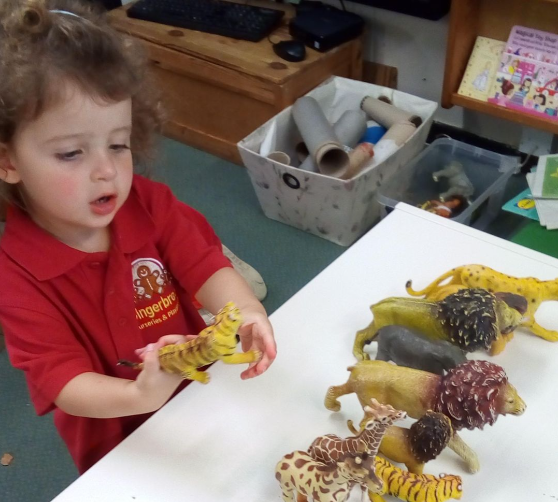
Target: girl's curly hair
(39,47)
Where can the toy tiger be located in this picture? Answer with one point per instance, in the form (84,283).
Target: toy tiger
(215,343)
(415,487)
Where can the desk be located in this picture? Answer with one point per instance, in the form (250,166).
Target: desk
(221,442)
(218,90)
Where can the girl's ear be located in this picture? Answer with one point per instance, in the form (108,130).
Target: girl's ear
(8,172)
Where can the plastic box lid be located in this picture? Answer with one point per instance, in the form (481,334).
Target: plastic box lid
(488,172)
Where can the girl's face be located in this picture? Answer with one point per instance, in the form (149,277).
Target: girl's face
(74,167)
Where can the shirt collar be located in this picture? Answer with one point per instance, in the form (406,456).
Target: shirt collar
(45,257)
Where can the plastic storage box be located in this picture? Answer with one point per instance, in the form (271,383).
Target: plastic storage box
(488,172)
(337,210)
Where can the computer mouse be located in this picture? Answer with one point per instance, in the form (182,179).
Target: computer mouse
(290,50)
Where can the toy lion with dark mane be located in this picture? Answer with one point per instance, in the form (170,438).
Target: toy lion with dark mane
(471,395)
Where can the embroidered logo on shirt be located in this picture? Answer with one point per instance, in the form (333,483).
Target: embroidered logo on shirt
(154,293)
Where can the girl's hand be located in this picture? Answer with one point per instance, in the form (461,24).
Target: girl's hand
(256,333)
(154,385)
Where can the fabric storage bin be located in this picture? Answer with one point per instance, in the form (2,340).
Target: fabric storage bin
(337,210)
(487,171)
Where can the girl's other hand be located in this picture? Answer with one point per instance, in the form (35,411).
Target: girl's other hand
(256,333)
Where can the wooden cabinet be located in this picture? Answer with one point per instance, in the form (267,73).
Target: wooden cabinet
(493,19)
(218,90)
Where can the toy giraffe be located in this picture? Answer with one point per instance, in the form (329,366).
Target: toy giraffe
(330,448)
(298,473)
(397,482)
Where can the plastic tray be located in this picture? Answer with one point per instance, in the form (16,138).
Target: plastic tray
(489,173)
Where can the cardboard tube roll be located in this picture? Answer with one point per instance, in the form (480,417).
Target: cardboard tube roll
(349,128)
(280,157)
(319,137)
(358,158)
(386,114)
(399,133)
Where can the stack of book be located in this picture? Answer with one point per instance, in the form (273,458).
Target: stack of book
(543,183)
(521,74)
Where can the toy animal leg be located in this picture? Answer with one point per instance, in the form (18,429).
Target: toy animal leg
(192,373)
(242,357)
(465,452)
(382,354)
(537,329)
(335,391)
(500,343)
(352,427)
(375,497)
(415,467)
(287,494)
(445,195)
(363,337)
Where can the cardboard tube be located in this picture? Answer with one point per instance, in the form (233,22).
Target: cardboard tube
(349,128)
(358,158)
(280,157)
(386,114)
(319,137)
(400,132)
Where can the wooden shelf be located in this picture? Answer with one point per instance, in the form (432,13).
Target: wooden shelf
(492,19)
(505,113)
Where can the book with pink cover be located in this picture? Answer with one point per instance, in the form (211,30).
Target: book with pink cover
(527,78)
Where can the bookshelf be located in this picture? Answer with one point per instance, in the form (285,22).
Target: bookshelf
(493,19)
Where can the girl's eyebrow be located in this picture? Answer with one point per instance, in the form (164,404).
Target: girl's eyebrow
(127,128)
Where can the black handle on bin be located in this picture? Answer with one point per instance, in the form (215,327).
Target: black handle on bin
(291,181)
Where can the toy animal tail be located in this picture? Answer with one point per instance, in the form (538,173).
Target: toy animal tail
(130,364)
(426,291)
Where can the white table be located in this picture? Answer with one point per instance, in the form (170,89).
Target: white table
(221,442)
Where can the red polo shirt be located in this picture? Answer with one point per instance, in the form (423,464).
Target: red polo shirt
(65,312)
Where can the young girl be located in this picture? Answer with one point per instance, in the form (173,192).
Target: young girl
(98,264)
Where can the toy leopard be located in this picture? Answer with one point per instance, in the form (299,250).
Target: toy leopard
(479,276)
(214,343)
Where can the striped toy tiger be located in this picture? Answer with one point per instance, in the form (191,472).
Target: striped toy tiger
(215,343)
(415,487)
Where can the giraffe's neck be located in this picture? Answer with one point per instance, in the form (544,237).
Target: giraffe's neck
(373,438)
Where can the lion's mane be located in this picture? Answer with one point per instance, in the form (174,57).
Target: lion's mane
(430,435)
(468,394)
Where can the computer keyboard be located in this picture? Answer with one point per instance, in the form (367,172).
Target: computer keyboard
(245,22)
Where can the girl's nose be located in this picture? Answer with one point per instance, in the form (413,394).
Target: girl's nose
(104,168)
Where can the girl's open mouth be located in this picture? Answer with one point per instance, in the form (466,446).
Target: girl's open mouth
(104,205)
